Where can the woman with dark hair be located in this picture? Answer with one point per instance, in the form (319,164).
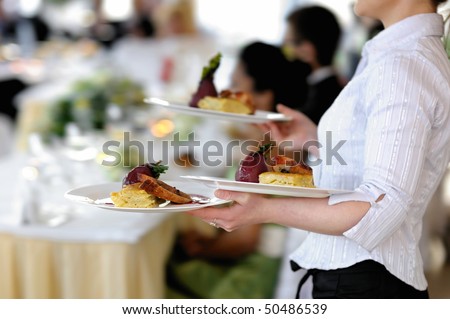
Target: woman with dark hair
(313,34)
(210,266)
(264,71)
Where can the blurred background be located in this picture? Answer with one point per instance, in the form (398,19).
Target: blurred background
(74,75)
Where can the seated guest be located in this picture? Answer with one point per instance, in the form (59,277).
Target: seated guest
(224,265)
(236,265)
(141,24)
(264,71)
(174,19)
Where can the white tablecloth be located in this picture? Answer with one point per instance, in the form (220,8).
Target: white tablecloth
(85,224)
(94,254)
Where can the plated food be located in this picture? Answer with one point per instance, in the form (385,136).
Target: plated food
(207,98)
(133,196)
(257,118)
(227,105)
(231,102)
(99,196)
(141,188)
(260,188)
(206,85)
(257,167)
(286,171)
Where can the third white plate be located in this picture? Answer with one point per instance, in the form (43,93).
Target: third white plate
(258,117)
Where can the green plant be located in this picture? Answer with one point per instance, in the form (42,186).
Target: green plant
(87,102)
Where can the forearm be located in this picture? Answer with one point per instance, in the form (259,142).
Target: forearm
(313,214)
(310,214)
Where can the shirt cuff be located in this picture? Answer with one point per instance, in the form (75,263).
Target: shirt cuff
(355,196)
(379,223)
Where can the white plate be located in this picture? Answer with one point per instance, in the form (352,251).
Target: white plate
(291,191)
(99,196)
(258,117)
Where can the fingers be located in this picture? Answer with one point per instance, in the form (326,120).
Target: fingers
(213,215)
(234,216)
(207,214)
(239,197)
(296,116)
(287,110)
(273,127)
(223,217)
(264,127)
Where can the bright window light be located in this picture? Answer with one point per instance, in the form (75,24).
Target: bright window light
(29,8)
(115,10)
(342,8)
(240,21)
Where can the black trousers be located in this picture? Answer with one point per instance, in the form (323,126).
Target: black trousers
(365,280)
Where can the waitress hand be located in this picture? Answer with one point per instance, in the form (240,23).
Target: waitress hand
(300,132)
(247,209)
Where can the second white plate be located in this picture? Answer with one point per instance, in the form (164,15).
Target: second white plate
(291,191)
(258,117)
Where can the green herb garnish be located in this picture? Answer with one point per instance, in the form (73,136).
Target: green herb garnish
(214,63)
(157,169)
(264,148)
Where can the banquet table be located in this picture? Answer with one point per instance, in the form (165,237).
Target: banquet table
(33,267)
(94,253)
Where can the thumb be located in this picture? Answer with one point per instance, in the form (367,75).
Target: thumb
(229,195)
(286,110)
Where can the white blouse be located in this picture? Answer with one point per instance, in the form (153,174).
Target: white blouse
(394,117)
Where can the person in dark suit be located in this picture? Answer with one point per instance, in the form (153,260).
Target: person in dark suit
(8,91)
(224,259)
(313,34)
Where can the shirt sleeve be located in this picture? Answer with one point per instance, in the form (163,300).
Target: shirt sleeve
(396,139)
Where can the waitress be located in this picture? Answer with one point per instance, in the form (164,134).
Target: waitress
(394,117)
